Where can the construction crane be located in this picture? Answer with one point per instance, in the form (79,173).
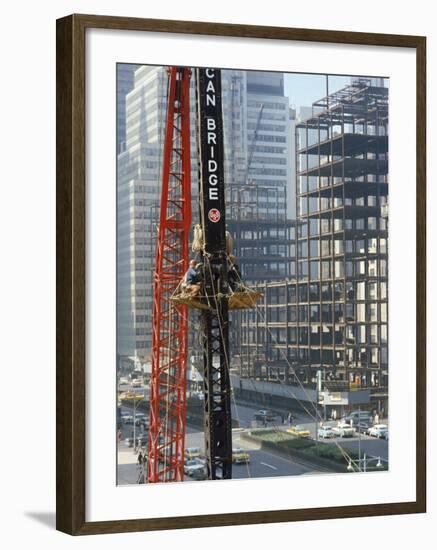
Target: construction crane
(253,142)
(170,330)
(170,315)
(214,320)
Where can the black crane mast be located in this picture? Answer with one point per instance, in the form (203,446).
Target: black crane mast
(214,320)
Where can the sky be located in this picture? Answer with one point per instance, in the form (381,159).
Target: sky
(304,89)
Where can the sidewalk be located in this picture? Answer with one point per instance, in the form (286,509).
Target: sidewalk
(126,455)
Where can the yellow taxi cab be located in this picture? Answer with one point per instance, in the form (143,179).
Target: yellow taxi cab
(192,452)
(298,431)
(240,456)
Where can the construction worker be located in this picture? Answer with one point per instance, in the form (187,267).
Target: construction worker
(191,283)
(234,274)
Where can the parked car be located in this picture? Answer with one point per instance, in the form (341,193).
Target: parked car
(190,466)
(265,414)
(130,440)
(363,428)
(355,417)
(343,430)
(240,456)
(379,430)
(144,422)
(192,452)
(299,431)
(127,418)
(325,432)
(199,474)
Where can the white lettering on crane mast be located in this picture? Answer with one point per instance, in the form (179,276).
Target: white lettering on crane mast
(211,140)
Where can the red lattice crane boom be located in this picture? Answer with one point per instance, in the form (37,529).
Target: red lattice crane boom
(170,325)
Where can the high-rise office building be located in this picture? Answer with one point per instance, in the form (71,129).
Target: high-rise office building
(125,83)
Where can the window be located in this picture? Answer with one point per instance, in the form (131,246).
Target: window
(373,268)
(314,292)
(291,292)
(373,334)
(314,314)
(371,223)
(374,356)
(339,271)
(373,312)
(292,318)
(361,313)
(373,291)
(314,270)
(338,246)
(326,291)
(327,313)
(326,270)
(303,313)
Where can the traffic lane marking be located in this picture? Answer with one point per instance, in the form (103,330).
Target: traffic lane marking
(268,465)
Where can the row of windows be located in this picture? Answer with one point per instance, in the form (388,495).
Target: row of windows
(266,104)
(265,127)
(269,160)
(276,139)
(372,312)
(315,226)
(363,358)
(326,269)
(269,149)
(270,232)
(358,335)
(327,247)
(312,183)
(315,204)
(316,292)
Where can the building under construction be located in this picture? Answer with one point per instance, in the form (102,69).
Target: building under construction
(326,328)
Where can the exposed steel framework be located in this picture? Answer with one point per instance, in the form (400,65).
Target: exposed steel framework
(170,325)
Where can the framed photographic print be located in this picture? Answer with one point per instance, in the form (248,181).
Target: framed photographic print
(240,274)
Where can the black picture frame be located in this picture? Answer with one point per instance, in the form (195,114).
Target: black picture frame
(71,252)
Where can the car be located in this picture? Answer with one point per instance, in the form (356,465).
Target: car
(265,414)
(240,456)
(362,427)
(379,430)
(192,452)
(299,431)
(194,464)
(130,440)
(199,474)
(325,432)
(343,430)
(127,418)
(355,417)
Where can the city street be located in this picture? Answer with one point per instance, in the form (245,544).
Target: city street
(262,463)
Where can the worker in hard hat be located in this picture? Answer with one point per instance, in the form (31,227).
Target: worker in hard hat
(234,273)
(192,280)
